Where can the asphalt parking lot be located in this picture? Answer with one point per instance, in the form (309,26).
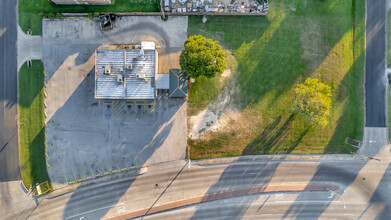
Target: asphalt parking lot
(87,138)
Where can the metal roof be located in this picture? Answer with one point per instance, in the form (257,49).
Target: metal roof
(81,2)
(162,81)
(178,84)
(134,67)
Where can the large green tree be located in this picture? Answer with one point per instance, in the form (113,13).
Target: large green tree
(202,57)
(312,101)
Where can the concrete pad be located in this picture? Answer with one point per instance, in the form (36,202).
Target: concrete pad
(88,138)
(29,48)
(375,141)
(168,35)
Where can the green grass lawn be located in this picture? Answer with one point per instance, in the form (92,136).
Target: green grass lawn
(388,28)
(318,39)
(389,111)
(32,11)
(31,125)
(388,38)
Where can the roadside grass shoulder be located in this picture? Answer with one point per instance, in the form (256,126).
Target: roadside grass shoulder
(388,38)
(31,125)
(31,12)
(318,39)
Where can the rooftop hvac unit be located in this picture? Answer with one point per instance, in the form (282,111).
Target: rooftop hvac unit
(107,69)
(120,78)
(121,69)
(140,76)
(129,66)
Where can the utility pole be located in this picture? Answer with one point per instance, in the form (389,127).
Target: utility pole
(161,8)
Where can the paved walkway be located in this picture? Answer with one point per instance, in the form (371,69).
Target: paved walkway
(29,47)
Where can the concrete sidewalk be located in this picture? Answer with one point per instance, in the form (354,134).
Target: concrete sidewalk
(29,47)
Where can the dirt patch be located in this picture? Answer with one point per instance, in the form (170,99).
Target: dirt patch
(311,41)
(222,110)
(219,113)
(225,74)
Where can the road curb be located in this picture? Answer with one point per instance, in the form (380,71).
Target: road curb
(275,158)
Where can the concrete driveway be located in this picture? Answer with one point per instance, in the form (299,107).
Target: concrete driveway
(87,138)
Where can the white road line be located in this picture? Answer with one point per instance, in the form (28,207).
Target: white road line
(106,207)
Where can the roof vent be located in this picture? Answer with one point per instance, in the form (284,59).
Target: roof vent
(107,69)
(140,76)
(120,78)
(129,66)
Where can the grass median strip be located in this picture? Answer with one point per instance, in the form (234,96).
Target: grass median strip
(31,125)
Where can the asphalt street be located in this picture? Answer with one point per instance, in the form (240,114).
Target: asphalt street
(360,188)
(375,78)
(9,159)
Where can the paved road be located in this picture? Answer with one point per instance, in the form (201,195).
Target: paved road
(375,78)
(363,185)
(9,159)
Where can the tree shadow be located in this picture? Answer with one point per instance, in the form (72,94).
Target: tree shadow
(271,137)
(297,142)
(354,104)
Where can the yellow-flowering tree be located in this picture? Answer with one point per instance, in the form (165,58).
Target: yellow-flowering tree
(312,101)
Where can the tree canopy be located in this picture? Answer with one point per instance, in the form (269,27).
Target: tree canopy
(312,101)
(202,57)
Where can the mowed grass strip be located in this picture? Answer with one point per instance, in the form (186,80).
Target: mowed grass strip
(31,12)
(318,39)
(31,125)
(388,28)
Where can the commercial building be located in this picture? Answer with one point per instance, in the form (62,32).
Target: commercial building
(126,72)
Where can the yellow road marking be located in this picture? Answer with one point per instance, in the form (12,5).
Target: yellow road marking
(56,19)
(46,145)
(114,171)
(44,73)
(48,164)
(46,134)
(77,19)
(132,167)
(45,114)
(97,175)
(106,173)
(46,95)
(47,155)
(46,19)
(66,19)
(46,85)
(123,169)
(71,182)
(80,180)
(86,19)
(89,177)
